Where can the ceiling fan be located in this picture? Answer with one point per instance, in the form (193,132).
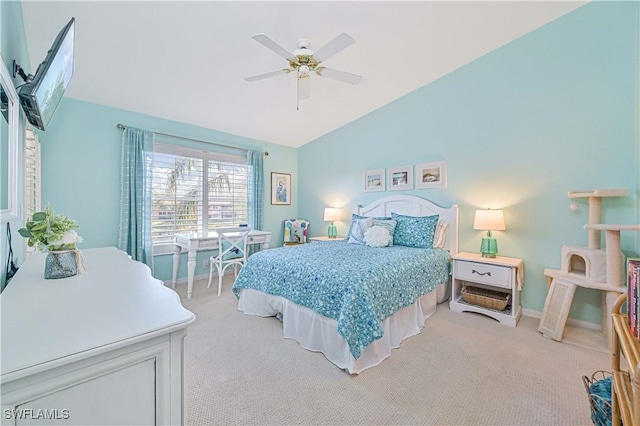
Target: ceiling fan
(304,61)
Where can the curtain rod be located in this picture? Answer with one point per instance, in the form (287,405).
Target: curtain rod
(122,127)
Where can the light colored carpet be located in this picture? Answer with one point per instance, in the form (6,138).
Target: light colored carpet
(463,369)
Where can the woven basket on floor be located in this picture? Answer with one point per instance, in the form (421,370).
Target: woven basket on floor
(485,298)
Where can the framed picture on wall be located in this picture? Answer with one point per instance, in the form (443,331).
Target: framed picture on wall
(400,178)
(374,180)
(431,175)
(280,188)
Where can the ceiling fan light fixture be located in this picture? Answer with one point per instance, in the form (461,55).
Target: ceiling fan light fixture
(303,71)
(303,60)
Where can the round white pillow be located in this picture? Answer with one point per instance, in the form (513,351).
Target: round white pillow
(377,236)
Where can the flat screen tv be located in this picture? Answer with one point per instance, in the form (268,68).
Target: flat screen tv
(42,92)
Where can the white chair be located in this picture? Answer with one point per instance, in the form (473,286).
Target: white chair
(232,250)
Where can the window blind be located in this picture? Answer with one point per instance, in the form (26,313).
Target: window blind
(195,190)
(31,174)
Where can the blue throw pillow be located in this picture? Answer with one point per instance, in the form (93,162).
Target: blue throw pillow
(413,231)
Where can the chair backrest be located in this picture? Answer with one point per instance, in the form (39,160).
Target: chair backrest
(295,231)
(232,242)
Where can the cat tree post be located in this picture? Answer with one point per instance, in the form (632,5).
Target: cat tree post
(613,262)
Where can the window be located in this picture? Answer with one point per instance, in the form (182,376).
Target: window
(195,190)
(31,174)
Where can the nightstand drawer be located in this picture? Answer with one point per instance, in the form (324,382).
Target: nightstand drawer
(493,275)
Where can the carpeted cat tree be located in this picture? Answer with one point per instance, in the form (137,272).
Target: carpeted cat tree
(589,267)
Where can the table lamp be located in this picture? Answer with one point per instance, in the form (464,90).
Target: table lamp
(331,215)
(489,220)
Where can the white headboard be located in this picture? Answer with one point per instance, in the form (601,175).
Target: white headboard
(415,206)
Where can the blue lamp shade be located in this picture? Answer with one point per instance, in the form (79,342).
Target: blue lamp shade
(331,215)
(489,220)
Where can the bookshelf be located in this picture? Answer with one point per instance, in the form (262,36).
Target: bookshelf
(625,389)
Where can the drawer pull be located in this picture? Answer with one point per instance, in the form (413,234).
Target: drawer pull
(473,271)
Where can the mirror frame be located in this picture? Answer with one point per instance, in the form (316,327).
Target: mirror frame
(11,212)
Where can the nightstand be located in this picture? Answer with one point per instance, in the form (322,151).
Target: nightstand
(325,238)
(500,275)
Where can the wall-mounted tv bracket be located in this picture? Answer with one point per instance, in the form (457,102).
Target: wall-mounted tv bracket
(17,69)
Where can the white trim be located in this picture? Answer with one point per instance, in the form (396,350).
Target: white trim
(12,211)
(570,321)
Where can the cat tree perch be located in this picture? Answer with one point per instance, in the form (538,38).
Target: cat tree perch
(589,267)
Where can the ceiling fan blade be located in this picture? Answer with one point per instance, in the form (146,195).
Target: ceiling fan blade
(267,75)
(342,41)
(269,43)
(303,87)
(346,77)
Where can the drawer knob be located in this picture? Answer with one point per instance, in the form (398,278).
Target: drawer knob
(473,271)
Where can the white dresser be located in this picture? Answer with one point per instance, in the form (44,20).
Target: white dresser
(103,347)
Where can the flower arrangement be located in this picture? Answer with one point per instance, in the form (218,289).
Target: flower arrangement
(48,231)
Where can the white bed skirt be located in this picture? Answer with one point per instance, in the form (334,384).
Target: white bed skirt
(319,334)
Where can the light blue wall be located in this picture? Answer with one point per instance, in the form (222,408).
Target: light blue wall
(81,170)
(13,46)
(553,111)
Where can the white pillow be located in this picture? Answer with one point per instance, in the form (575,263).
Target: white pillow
(440,236)
(377,236)
(358,228)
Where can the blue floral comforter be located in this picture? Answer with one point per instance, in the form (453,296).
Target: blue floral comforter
(356,285)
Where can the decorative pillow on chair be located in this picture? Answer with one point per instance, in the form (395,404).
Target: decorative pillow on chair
(358,228)
(295,231)
(414,231)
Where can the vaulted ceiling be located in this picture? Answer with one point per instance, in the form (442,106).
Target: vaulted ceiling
(187,61)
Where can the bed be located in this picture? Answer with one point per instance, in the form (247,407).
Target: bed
(353,302)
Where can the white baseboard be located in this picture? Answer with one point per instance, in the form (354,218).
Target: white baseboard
(570,321)
(183,281)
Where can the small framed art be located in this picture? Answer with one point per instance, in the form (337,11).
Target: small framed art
(400,178)
(280,188)
(374,180)
(431,175)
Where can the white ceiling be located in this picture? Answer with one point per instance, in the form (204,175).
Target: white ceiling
(186,61)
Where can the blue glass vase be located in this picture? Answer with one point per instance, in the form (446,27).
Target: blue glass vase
(60,264)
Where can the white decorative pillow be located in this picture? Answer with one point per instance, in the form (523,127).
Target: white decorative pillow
(440,236)
(377,236)
(358,228)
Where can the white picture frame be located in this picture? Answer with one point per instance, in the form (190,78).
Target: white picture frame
(374,181)
(431,175)
(400,178)
(280,189)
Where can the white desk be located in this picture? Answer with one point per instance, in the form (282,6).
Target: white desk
(193,242)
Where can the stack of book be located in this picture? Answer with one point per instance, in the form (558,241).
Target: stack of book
(633,294)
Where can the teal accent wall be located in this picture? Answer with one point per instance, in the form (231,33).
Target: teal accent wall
(81,171)
(554,111)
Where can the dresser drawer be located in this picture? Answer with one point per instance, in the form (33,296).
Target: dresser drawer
(498,276)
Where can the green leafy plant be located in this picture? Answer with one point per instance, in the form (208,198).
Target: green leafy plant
(48,231)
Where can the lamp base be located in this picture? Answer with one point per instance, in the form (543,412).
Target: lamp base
(489,247)
(332,232)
